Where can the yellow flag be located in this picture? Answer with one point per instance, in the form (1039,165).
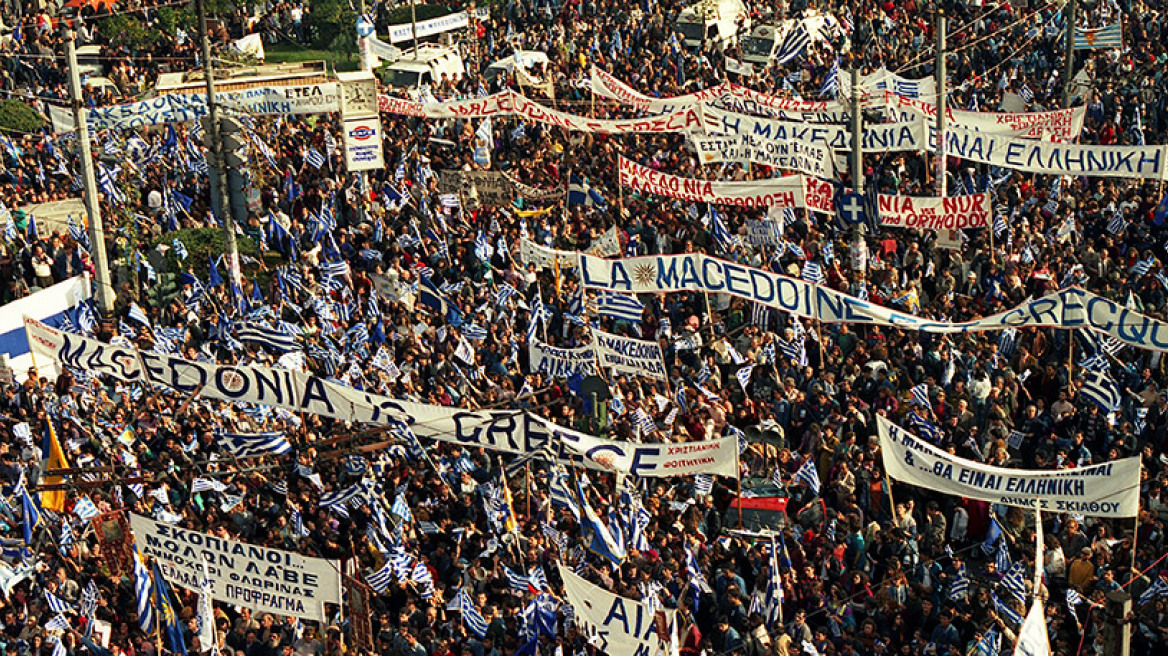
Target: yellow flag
(54,500)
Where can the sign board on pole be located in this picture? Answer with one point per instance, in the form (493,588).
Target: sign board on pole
(362,141)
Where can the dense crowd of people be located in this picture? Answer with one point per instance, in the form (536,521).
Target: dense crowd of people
(867,566)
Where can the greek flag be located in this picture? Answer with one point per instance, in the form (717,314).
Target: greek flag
(272,339)
(381,579)
(703,485)
(473,331)
(1006,611)
(1159,588)
(85,508)
(920,395)
(89,599)
(207,485)
(959,588)
(56,604)
(720,232)
(142,590)
(619,306)
(136,313)
(338,498)
(831,85)
(999,224)
(401,508)
(1015,581)
(473,618)
(1074,598)
(813,273)
(743,376)
(58,623)
(1142,267)
(561,494)
(1117,223)
(1007,342)
(243,445)
(1026,93)
(314,158)
(1101,389)
(808,475)
(598,538)
(794,44)
(1002,557)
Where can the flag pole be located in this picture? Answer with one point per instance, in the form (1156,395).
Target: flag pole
(157,615)
(1136,531)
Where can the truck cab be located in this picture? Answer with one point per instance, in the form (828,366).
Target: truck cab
(424,68)
(716,21)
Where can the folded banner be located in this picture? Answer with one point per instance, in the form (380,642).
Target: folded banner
(947,213)
(1059,124)
(782,192)
(629,356)
(1029,156)
(883,137)
(728,96)
(620,625)
(264,579)
(791,155)
(1066,308)
(561,362)
(606,245)
(506,431)
(1111,489)
(604,84)
(546,258)
(510,103)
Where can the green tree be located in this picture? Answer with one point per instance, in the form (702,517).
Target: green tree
(16,116)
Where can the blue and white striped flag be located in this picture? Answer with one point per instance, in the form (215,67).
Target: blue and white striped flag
(831,85)
(56,604)
(272,339)
(142,590)
(920,395)
(1014,580)
(1006,611)
(313,157)
(381,579)
(813,273)
(243,445)
(1101,389)
(619,306)
(809,475)
(959,588)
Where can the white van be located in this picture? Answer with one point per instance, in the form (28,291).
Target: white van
(524,60)
(712,20)
(424,68)
(762,45)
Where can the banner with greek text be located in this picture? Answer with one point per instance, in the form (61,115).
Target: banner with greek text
(179,107)
(793,155)
(604,84)
(1030,156)
(510,103)
(764,232)
(561,362)
(1066,308)
(1111,489)
(782,192)
(456,21)
(1058,124)
(629,356)
(264,579)
(620,625)
(933,213)
(882,137)
(656,459)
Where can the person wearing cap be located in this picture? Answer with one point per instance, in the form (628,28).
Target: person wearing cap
(1081,573)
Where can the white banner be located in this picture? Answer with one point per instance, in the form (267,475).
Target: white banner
(881,137)
(604,84)
(1058,124)
(362,141)
(782,192)
(1031,156)
(1110,489)
(545,258)
(456,21)
(620,625)
(629,356)
(561,362)
(607,244)
(264,579)
(764,232)
(933,213)
(657,459)
(1066,308)
(510,103)
(251,45)
(51,305)
(178,107)
(501,430)
(791,155)
(884,80)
